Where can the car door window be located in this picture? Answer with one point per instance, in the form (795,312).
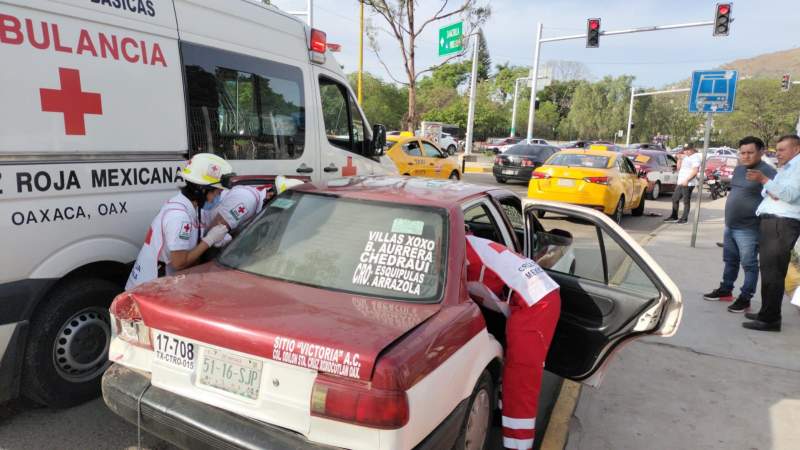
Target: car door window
(482,223)
(430,151)
(511,208)
(412,149)
(344,125)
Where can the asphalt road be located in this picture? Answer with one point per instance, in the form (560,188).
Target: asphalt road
(23,425)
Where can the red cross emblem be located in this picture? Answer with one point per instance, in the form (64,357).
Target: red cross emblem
(186,228)
(242,210)
(71,101)
(349,170)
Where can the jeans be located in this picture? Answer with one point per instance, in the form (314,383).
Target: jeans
(682,193)
(740,247)
(778,236)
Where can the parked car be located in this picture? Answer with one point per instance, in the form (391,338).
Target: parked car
(600,179)
(499,145)
(725,165)
(448,143)
(723,151)
(647,146)
(659,168)
(303,334)
(605,146)
(520,160)
(419,157)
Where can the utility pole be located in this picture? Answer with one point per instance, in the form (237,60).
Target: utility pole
(360,52)
(534,79)
(701,176)
(473,84)
(514,107)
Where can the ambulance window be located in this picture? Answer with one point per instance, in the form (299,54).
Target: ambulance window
(242,107)
(344,125)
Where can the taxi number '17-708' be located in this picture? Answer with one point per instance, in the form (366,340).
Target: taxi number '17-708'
(174,351)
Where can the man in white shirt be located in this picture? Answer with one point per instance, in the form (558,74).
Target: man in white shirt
(688,168)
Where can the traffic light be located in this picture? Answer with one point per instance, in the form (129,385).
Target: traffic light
(786,82)
(593,33)
(722,19)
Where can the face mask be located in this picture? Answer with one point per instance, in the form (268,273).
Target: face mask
(208,206)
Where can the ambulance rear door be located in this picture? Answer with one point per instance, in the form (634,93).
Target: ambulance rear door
(248,83)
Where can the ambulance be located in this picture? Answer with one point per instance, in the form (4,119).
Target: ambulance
(102,102)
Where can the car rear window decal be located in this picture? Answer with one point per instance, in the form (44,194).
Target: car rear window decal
(407,226)
(395,261)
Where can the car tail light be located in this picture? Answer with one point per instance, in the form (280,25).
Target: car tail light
(540,175)
(318,42)
(128,323)
(358,403)
(596,180)
(499,161)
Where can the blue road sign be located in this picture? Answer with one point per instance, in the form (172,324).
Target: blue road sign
(713,91)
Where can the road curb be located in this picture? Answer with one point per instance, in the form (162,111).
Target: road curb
(477,170)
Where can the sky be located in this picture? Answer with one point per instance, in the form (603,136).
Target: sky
(654,58)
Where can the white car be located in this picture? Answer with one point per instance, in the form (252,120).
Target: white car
(449,143)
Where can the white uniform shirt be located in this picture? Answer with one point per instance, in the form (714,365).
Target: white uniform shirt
(237,206)
(687,166)
(175,228)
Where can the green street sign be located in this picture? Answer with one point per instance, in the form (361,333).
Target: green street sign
(450,39)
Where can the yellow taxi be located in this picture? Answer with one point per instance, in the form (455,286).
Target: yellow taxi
(420,157)
(600,179)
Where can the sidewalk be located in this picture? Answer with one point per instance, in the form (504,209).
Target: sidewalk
(715,385)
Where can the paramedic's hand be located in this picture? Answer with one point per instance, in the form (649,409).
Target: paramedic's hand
(215,234)
(225,241)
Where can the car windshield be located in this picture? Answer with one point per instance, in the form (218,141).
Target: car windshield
(578,160)
(525,150)
(367,248)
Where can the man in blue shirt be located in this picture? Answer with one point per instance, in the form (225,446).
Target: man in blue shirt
(780,226)
(741,226)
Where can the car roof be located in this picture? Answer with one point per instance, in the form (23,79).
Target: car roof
(396,189)
(644,151)
(578,151)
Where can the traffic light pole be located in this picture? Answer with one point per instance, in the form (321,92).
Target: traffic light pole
(643,94)
(701,176)
(473,84)
(514,107)
(540,41)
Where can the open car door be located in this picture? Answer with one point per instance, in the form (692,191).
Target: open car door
(612,291)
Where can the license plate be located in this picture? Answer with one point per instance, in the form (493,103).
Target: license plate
(565,182)
(174,351)
(232,373)
(509,172)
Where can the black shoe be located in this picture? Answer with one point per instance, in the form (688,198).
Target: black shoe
(740,305)
(671,219)
(718,295)
(681,221)
(763,326)
(751,316)
(720,245)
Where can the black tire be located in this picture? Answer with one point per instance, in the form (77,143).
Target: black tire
(481,394)
(500,180)
(656,192)
(540,213)
(639,210)
(72,327)
(451,150)
(619,211)
(454,175)
(714,194)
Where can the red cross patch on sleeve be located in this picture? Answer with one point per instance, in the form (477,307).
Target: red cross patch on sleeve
(186,231)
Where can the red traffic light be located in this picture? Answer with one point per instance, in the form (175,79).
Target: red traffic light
(724,8)
(594,24)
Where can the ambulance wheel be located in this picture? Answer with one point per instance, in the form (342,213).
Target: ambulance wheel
(67,350)
(475,430)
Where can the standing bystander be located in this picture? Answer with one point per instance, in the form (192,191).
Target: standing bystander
(688,167)
(779,212)
(740,243)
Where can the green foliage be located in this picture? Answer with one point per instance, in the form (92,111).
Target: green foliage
(598,109)
(761,110)
(382,102)
(484,60)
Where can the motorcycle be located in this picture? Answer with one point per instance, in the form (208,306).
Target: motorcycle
(715,186)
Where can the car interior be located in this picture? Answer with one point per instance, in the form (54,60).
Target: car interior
(603,291)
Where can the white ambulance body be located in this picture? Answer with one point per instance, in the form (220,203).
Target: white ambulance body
(102,102)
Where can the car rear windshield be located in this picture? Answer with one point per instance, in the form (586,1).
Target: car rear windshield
(578,160)
(525,150)
(388,250)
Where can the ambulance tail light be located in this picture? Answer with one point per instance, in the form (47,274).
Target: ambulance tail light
(127,322)
(358,403)
(318,42)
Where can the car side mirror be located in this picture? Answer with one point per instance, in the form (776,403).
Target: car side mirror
(378,147)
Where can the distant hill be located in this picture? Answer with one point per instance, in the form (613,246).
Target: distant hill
(769,65)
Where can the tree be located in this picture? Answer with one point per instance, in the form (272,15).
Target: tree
(599,109)
(383,102)
(560,93)
(568,70)
(405,27)
(484,60)
(761,110)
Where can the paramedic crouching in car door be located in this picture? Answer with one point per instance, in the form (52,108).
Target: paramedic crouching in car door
(516,286)
(173,235)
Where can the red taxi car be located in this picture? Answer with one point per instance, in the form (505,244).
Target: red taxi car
(340,317)
(660,169)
